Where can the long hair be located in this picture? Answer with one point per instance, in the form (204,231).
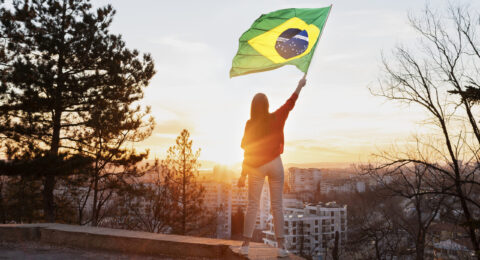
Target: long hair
(259,108)
(259,117)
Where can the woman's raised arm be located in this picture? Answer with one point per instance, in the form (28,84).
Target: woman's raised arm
(301,84)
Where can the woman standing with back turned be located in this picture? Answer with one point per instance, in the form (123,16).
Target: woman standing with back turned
(263,143)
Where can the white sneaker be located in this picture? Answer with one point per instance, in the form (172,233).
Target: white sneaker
(282,252)
(244,250)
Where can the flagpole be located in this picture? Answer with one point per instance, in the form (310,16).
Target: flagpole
(319,37)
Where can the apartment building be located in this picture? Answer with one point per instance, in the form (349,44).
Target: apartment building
(218,198)
(312,228)
(301,180)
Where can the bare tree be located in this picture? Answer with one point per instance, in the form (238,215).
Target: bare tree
(373,231)
(446,59)
(409,182)
(151,205)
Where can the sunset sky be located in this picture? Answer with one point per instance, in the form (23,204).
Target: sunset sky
(336,119)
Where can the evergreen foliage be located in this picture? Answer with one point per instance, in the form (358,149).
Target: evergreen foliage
(66,84)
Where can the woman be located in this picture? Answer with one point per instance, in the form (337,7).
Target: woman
(263,143)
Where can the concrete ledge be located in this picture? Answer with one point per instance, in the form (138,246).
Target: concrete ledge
(132,242)
(21,233)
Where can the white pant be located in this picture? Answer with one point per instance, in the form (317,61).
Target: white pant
(256,177)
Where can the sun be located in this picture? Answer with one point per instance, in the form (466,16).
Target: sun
(226,157)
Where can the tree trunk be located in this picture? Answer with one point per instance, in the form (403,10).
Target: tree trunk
(49,184)
(335,247)
(184,200)
(95,199)
(377,250)
(80,216)
(48,199)
(468,218)
(459,191)
(3,217)
(420,247)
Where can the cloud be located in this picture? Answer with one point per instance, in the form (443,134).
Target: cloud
(388,23)
(300,152)
(164,136)
(342,57)
(182,45)
(325,150)
(333,149)
(315,146)
(172,127)
(184,63)
(373,115)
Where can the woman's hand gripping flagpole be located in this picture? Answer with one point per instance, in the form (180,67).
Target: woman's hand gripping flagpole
(301,84)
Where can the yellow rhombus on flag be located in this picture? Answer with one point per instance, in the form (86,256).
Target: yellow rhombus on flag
(287,36)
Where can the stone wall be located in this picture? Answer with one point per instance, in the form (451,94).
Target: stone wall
(131,242)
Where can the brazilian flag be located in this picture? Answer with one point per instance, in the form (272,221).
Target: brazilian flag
(287,36)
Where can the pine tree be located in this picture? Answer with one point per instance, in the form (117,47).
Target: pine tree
(185,191)
(59,64)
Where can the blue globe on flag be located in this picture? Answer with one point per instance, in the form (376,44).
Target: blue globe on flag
(292,42)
